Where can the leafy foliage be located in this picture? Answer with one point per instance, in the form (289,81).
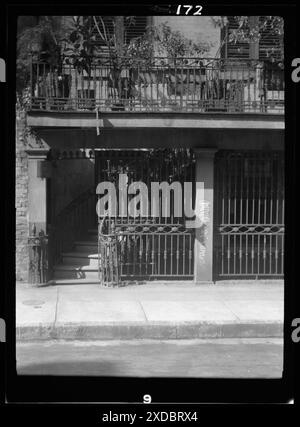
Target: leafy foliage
(248,31)
(174,44)
(80,43)
(50,41)
(41,41)
(166,41)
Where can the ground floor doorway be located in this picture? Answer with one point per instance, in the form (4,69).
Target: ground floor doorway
(243,236)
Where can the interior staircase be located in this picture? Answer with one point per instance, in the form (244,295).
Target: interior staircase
(80,264)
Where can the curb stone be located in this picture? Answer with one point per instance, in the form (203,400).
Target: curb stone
(113,331)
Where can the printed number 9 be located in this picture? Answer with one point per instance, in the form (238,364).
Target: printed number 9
(147,398)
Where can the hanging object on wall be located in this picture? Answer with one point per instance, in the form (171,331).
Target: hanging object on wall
(99,122)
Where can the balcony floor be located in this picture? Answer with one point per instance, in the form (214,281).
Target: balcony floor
(88,119)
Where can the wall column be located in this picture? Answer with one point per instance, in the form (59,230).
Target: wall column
(37,189)
(204,207)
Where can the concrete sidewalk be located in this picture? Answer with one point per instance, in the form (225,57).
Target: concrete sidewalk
(154,311)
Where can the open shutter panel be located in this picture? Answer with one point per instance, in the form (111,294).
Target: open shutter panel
(237,50)
(135,28)
(269,44)
(109,27)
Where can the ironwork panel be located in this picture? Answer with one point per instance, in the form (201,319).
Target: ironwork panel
(160,84)
(249,214)
(38,257)
(147,246)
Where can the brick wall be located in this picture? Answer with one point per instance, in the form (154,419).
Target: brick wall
(21,200)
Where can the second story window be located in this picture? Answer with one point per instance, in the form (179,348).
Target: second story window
(120,29)
(258,38)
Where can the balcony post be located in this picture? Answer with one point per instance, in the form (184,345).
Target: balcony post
(254,44)
(31,83)
(119,33)
(204,203)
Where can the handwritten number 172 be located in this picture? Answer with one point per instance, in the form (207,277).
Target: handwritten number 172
(189,9)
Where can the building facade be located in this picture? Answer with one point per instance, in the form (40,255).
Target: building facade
(218,120)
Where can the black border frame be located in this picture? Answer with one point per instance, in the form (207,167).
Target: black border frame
(25,389)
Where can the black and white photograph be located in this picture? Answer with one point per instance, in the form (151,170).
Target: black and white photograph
(150,181)
(150,195)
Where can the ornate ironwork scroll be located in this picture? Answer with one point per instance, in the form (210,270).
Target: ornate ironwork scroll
(108,253)
(161,85)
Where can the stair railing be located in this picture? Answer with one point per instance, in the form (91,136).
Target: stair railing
(38,257)
(108,253)
(71,224)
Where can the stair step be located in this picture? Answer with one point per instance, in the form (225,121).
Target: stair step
(92,236)
(81,254)
(86,246)
(62,267)
(85,243)
(75,281)
(74,275)
(88,272)
(81,263)
(80,258)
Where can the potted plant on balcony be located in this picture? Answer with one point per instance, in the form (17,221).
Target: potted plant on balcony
(139,54)
(182,54)
(79,53)
(39,58)
(262,59)
(121,58)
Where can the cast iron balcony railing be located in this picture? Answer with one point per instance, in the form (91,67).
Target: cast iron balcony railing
(160,85)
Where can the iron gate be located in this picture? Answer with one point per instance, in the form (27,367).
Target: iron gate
(149,247)
(249,214)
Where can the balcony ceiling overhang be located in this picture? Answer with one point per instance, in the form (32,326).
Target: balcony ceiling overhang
(81,120)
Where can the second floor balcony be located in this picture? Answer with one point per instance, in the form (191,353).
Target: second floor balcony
(184,85)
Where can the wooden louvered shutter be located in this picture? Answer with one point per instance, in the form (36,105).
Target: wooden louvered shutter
(131,28)
(224,42)
(109,27)
(136,28)
(269,44)
(239,50)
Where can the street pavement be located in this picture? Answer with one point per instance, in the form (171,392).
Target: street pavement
(217,358)
(159,310)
